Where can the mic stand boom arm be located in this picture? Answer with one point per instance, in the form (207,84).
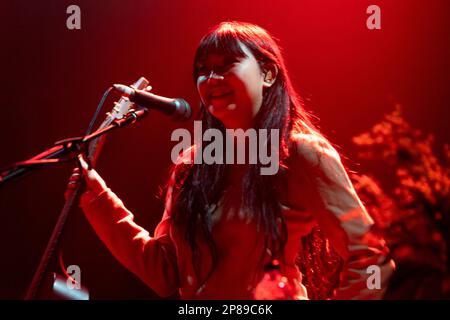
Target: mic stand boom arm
(68,149)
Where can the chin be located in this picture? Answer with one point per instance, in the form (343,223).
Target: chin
(220,112)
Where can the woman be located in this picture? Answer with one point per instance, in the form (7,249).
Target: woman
(224,222)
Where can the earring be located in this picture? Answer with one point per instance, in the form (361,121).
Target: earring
(268,76)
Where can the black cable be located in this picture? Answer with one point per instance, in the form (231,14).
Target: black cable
(97,111)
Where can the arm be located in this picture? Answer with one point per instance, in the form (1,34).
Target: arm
(152,259)
(320,184)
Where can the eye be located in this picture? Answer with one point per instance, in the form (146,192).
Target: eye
(227,66)
(230,61)
(202,70)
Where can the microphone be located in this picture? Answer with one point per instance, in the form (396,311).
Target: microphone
(178,108)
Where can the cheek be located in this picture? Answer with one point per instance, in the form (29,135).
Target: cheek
(201,89)
(250,79)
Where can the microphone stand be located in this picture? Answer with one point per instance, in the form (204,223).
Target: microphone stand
(64,151)
(69,148)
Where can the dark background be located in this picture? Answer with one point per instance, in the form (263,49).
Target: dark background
(52,79)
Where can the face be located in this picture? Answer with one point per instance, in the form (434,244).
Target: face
(231,88)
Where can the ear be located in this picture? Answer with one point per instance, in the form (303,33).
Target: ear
(270,73)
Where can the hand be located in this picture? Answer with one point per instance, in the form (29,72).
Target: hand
(94,183)
(73,182)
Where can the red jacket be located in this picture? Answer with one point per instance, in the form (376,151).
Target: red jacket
(326,196)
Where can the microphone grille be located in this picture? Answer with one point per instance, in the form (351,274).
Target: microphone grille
(183,109)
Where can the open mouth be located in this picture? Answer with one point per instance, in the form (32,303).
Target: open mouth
(220,93)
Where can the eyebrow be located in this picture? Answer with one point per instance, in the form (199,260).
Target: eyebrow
(228,58)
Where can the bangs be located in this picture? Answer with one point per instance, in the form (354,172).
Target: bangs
(221,42)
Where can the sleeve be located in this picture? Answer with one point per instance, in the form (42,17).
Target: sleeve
(323,187)
(152,259)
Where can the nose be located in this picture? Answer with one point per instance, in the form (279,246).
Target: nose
(214,75)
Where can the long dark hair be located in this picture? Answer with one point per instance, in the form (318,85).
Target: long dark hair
(199,187)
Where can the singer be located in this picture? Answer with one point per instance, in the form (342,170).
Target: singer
(223,224)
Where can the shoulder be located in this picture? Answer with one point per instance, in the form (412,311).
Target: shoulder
(312,149)
(316,159)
